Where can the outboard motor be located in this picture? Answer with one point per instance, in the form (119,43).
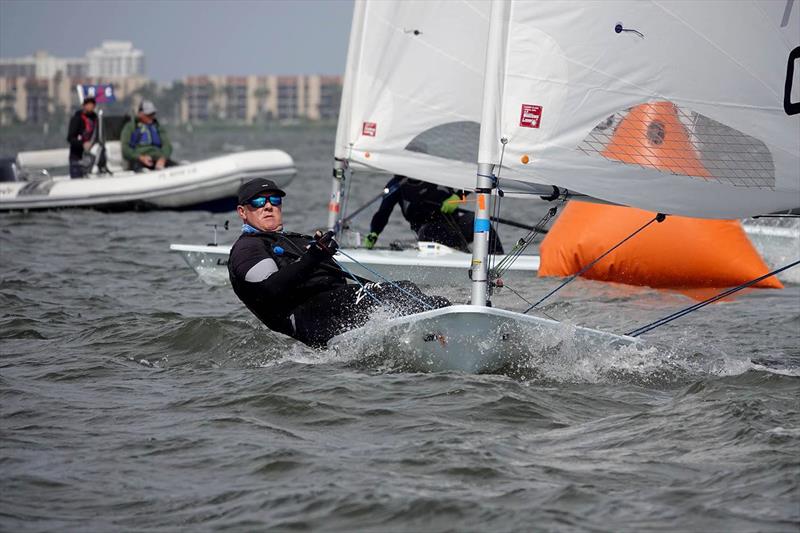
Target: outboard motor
(9,170)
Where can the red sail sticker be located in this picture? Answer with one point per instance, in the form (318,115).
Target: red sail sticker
(369,129)
(531,116)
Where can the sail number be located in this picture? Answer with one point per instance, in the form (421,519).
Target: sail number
(791,108)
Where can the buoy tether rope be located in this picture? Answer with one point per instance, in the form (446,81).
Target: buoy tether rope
(667,319)
(660,217)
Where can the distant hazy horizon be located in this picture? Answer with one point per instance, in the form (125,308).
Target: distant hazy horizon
(184,38)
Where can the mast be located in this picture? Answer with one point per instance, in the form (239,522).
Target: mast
(335,204)
(343,127)
(480,244)
(488,150)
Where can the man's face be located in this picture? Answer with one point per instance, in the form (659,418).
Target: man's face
(147,119)
(267,218)
(88,107)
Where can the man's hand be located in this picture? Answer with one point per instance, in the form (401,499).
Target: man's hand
(146,160)
(87,145)
(450,204)
(325,242)
(370,240)
(161,163)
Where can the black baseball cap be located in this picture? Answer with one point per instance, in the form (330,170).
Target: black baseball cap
(258,187)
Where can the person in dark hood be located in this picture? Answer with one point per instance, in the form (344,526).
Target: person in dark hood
(432,211)
(291,282)
(81,135)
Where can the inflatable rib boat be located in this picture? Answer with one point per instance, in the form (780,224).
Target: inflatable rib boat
(209,184)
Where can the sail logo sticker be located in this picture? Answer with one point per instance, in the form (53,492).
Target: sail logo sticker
(369,129)
(531,116)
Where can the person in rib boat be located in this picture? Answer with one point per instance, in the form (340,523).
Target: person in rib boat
(433,213)
(145,144)
(291,282)
(81,135)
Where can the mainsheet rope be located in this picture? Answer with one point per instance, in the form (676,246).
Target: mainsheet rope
(660,217)
(683,312)
(387,280)
(344,268)
(355,278)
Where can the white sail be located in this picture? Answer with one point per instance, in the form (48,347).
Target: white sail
(341,149)
(571,73)
(412,97)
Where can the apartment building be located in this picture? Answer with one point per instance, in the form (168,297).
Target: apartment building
(251,99)
(35,87)
(30,99)
(42,65)
(115,59)
(112,59)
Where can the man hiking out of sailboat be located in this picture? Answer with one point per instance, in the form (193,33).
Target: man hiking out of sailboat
(433,213)
(291,282)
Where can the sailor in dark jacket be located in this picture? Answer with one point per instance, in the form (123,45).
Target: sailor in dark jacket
(81,135)
(432,212)
(292,284)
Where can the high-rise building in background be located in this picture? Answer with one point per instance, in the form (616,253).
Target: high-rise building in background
(30,99)
(36,87)
(115,59)
(41,86)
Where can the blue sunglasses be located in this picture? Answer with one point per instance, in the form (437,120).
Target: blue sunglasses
(260,201)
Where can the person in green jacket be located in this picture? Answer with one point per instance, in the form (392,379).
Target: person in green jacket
(144,141)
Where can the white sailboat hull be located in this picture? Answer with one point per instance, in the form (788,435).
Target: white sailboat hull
(777,246)
(446,266)
(208,184)
(471,339)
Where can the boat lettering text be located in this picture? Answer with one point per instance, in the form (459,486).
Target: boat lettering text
(369,129)
(530,116)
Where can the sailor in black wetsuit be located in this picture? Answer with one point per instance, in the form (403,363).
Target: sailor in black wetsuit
(292,284)
(431,211)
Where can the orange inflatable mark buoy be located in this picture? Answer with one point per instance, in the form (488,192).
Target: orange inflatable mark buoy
(679,253)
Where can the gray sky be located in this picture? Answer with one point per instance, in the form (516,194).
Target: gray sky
(185,37)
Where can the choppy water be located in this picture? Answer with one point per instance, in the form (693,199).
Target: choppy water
(135,397)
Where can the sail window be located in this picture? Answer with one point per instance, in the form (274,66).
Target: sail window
(668,138)
(457,141)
